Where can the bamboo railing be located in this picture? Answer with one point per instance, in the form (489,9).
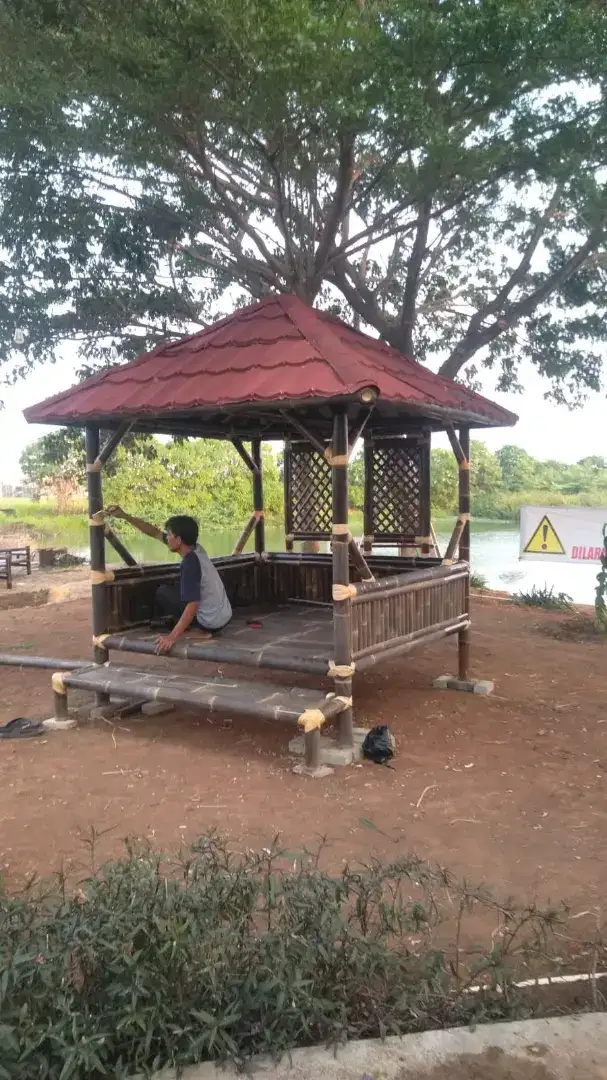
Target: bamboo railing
(407,608)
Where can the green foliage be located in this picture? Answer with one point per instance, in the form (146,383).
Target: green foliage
(518,468)
(443,481)
(215,955)
(478,581)
(158,157)
(204,478)
(60,453)
(545,598)
(501,483)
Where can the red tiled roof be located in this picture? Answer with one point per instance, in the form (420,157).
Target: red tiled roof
(274,351)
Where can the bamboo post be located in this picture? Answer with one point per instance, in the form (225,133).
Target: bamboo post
(342,607)
(260,528)
(242,541)
(288,493)
(60,707)
(464,543)
(425,504)
(359,561)
(455,540)
(118,546)
(368,498)
(97,545)
(312,748)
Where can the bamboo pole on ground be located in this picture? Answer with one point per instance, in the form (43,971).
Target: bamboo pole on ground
(342,608)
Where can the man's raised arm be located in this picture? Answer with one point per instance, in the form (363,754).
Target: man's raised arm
(137,523)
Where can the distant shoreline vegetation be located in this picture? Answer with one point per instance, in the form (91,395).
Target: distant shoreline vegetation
(208,479)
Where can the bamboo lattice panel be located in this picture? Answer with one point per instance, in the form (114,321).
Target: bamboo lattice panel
(397,478)
(310,491)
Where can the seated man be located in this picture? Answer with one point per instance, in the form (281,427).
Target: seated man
(200,600)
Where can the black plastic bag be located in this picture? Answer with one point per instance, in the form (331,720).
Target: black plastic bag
(379,745)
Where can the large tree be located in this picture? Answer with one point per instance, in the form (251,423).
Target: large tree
(431,168)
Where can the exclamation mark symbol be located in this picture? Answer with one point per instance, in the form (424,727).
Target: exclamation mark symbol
(545,535)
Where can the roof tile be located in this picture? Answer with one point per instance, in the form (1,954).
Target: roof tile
(278,349)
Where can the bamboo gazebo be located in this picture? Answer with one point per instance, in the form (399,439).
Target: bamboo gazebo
(280,370)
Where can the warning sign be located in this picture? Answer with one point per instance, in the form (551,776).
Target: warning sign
(566,534)
(544,540)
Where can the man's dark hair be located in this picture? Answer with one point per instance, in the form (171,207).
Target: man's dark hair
(186,528)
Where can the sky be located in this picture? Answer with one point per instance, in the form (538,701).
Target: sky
(544,429)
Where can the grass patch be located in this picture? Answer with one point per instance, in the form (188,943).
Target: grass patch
(212,955)
(545,598)
(478,581)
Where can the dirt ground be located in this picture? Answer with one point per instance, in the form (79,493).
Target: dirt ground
(507,789)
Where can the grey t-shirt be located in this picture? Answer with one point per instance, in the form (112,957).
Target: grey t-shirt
(201,581)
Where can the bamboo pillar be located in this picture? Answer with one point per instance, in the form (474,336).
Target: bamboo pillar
(342,608)
(368,498)
(288,493)
(97,545)
(464,543)
(60,706)
(260,527)
(425,496)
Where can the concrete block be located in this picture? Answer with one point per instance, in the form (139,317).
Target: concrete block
(156,708)
(58,725)
(314,774)
(331,753)
(467,686)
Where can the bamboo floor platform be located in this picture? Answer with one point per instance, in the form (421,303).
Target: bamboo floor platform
(213,694)
(297,637)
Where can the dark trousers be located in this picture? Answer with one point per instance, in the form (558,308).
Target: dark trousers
(169,605)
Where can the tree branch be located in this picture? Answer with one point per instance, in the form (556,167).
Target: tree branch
(414,265)
(477,336)
(363,301)
(336,214)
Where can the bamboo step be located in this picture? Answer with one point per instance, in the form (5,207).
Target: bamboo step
(216,694)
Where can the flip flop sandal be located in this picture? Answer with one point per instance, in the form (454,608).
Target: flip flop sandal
(253,624)
(21,728)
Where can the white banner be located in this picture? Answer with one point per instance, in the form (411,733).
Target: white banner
(563,534)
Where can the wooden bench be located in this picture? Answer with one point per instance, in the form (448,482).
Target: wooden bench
(6,570)
(16,557)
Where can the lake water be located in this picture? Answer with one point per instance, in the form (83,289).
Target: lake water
(495,555)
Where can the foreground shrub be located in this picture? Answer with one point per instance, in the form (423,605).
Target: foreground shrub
(218,955)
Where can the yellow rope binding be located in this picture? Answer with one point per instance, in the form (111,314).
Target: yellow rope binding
(341,671)
(99,639)
(341,530)
(311,720)
(344,592)
(99,577)
(58,683)
(337,459)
